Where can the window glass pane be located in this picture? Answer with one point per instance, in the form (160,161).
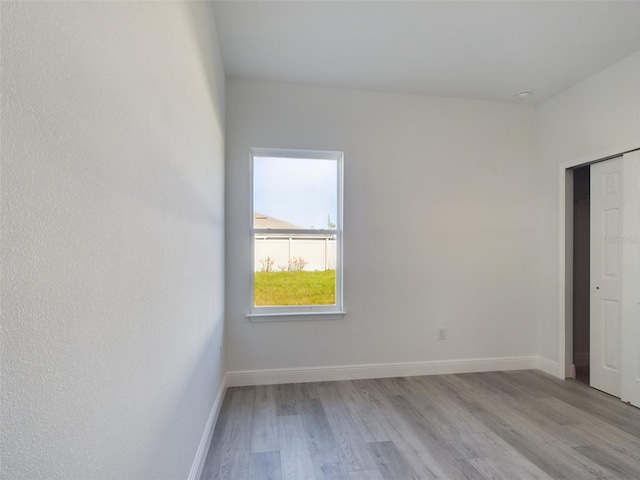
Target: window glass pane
(291,193)
(295,270)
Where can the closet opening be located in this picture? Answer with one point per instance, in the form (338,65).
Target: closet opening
(581,272)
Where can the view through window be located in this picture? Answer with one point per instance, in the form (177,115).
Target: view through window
(297,230)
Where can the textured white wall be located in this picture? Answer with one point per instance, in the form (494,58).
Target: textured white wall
(112,237)
(450,178)
(596,118)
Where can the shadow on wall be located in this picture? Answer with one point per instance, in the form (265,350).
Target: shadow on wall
(197,394)
(205,35)
(184,198)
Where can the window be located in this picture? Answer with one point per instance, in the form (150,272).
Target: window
(296,234)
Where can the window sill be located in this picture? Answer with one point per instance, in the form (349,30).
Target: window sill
(294,316)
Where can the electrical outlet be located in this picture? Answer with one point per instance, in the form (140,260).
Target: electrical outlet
(221,352)
(442,333)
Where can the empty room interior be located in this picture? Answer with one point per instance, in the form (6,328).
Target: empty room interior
(320,240)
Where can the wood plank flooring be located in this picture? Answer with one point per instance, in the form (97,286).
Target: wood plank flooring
(499,425)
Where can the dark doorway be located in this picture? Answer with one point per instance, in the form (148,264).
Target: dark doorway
(581,272)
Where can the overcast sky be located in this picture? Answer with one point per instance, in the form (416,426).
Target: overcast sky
(298,191)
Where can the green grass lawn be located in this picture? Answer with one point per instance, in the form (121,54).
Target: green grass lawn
(295,288)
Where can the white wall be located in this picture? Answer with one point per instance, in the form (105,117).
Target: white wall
(596,118)
(112,237)
(451,178)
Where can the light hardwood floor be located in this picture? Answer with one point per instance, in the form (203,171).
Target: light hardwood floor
(499,425)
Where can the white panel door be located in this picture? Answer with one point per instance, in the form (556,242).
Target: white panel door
(631,282)
(606,275)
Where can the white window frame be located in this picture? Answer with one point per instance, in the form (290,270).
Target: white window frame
(299,312)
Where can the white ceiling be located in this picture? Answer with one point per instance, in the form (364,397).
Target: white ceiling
(475,49)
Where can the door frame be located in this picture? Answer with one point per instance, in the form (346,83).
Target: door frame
(566,368)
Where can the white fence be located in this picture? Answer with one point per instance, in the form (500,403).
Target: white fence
(318,253)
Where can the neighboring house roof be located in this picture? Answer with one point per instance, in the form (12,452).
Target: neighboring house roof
(265,221)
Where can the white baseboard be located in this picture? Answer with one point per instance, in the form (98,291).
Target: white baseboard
(205,441)
(547,366)
(581,359)
(379,370)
